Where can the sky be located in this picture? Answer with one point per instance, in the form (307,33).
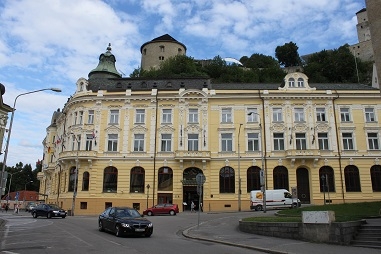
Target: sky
(53,43)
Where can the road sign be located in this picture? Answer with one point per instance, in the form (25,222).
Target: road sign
(200,179)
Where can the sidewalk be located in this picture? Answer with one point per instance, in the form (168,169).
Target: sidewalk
(225,231)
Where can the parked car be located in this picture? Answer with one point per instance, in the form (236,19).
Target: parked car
(49,211)
(29,206)
(124,221)
(171,209)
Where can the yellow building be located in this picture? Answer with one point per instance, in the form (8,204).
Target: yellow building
(139,142)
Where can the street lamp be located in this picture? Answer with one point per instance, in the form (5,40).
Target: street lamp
(10,183)
(75,177)
(23,201)
(148,186)
(239,171)
(10,129)
(263,171)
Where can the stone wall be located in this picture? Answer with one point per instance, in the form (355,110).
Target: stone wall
(337,232)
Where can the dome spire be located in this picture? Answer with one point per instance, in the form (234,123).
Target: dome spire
(106,66)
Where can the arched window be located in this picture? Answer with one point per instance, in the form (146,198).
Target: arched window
(352,179)
(253,179)
(291,82)
(137,180)
(327,179)
(227,180)
(71,179)
(165,180)
(280,176)
(110,179)
(375,174)
(300,82)
(85,181)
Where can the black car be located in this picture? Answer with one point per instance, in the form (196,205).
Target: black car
(48,211)
(124,221)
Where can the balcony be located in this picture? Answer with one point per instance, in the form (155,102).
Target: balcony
(192,155)
(303,154)
(82,154)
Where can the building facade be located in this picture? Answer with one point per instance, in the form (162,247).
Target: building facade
(138,142)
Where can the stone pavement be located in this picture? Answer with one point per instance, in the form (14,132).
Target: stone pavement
(225,231)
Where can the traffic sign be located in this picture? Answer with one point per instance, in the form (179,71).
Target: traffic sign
(200,179)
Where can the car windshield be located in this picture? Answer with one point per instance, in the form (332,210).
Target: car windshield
(127,213)
(54,207)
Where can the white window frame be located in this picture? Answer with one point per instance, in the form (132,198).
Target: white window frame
(138,142)
(373,143)
(299,115)
(167,116)
(114,116)
(80,117)
(348,141)
(253,143)
(321,115)
(278,139)
(226,142)
(89,142)
(226,115)
(166,142)
(300,82)
(323,141)
(90,115)
(193,142)
(370,115)
(301,141)
(140,115)
(252,115)
(112,142)
(193,115)
(345,115)
(277,115)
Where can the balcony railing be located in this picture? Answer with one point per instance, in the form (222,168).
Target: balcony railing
(80,154)
(192,155)
(303,154)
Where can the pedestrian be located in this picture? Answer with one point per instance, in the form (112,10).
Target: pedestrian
(192,207)
(17,208)
(6,208)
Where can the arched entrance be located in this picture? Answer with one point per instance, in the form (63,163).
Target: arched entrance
(303,188)
(190,188)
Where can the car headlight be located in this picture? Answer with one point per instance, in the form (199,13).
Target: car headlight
(125,225)
(150,225)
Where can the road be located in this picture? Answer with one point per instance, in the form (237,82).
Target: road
(79,234)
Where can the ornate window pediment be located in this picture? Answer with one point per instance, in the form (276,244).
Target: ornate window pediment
(296,81)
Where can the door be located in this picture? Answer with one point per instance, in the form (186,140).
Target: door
(303,188)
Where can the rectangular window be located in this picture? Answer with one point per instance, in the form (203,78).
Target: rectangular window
(323,141)
(299,115)
(193,115)
(227,142)
(138,142)
(373,141)
(347,141)
(114,116)
(166,141)
(344,114)
(277,115)
(140,115)
(226,115)
(112,143)
(80,120)
(167,115)
(192,142)
(252,115)
(75,118)
(320,115)
(278,142)
(301,142)
(369,115)
(90,119)
(253,142)
(89,142)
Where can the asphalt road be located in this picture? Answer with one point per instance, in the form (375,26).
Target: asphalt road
(79,234)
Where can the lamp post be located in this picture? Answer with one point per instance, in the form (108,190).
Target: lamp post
(239,171)
(10,130)
(10,183)
(75,177)
(23,200)
(148,186)
(323,182)
(263,171)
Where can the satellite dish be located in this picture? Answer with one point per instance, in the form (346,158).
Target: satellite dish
(232,60)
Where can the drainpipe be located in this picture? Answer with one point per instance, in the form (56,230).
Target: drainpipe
(154,150)
(338,146)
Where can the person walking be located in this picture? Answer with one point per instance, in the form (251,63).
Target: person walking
(192,207)
(6,208)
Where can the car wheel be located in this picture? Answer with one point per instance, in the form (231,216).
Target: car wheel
(117,231)
(149,213)
(49,215)
(100,226)
(63,217)
(34,214)
(148,234)
(172,212)
(258,208)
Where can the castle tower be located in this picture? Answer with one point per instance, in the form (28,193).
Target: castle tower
(159,49)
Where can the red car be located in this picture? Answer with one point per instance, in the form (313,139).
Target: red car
(171,209)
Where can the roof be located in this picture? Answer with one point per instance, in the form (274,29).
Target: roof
(163,38)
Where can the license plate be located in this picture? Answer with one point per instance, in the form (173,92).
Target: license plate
(139,229)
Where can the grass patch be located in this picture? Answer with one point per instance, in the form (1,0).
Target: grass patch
(343,212)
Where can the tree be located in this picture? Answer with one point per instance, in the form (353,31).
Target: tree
(288,55)
(259,61)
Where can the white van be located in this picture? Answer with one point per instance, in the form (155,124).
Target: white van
(274,199)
